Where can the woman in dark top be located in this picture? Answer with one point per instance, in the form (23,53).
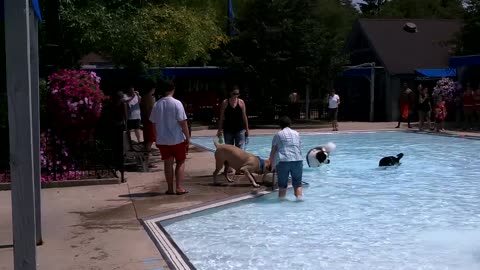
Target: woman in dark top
(233,122)
(424,107)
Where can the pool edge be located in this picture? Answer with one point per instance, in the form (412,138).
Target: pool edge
(171,253)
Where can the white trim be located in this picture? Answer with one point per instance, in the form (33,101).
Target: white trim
(164,242)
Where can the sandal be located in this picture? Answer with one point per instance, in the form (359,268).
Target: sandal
(182,192)
(169,193)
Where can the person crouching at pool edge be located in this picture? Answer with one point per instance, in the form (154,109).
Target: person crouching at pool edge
(287,156)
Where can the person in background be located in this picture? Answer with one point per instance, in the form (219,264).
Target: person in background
(424,107)
(146,105)
(233,121)
(172,136)
(468,108)
(405,105)
(333,103)
(116,114)
(134,114)
(294,105)
(440,114)
(286,154)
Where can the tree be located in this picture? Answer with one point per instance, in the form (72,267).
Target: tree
(371,7)
(425,9)
(138,33)
(469,43)
(287,44)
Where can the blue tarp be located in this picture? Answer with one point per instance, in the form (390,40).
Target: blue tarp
(357,72)
(36,9)
(436,73)
(462,61)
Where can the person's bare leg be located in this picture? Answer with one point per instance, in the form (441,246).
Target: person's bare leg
(180,175)
(168,169)
(282,192)
(299,192)
(421,118)
(137,134)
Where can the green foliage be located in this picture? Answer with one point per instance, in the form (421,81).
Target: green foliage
(371,7)
(285,44)
(425,9)
(469,43)
(141,34)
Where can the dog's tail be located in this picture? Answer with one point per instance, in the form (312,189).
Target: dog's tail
(330,147)
(399,156)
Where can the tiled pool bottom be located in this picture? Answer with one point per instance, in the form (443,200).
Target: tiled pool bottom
(421,215)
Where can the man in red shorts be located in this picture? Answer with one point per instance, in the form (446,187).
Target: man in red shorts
(172,136)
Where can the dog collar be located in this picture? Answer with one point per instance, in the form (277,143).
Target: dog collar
(262,163)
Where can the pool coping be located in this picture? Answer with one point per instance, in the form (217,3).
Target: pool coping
(171,252)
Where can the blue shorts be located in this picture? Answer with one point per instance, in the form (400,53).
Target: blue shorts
(237,139)
(286,168)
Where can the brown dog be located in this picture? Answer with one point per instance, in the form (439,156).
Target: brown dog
(231,156)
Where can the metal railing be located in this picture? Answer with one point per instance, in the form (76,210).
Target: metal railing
(61,161)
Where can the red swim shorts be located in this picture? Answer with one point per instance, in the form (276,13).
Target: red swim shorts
(177,151)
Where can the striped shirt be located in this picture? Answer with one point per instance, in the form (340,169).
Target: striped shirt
(288,146)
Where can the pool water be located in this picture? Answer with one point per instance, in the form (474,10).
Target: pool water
(424,214)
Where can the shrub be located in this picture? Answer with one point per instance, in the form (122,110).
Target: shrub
(74,100)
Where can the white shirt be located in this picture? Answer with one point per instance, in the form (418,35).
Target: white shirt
(133,108)
(333,101)
(288,146)
(166,114)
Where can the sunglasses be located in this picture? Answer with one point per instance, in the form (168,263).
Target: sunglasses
(235,94)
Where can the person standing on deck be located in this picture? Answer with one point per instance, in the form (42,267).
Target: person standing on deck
(172,136)
(406,101)
(233,121)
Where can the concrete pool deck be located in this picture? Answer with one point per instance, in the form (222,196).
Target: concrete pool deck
(98,227)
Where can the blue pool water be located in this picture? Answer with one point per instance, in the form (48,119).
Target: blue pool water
(424,214)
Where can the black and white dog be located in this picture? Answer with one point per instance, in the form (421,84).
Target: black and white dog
(390,161)
(320,155)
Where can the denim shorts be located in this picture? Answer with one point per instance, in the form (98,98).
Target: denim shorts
(286,168)
(237,139)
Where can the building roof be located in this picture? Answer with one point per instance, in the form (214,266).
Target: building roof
(401,51)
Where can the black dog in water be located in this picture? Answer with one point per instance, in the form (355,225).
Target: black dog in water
(390,161)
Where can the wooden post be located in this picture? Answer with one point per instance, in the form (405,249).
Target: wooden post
(36,122)
(18,74)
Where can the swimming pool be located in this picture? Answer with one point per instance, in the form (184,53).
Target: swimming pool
(424,214)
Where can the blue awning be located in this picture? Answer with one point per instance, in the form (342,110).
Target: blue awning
(357,72)
(437,73)
(467,60)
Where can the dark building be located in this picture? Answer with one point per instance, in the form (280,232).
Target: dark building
(404,50)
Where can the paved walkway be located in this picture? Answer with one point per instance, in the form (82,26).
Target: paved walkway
(97,227)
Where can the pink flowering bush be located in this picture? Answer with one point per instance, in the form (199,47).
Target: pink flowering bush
(74,104)
(74,99)
(447,89)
